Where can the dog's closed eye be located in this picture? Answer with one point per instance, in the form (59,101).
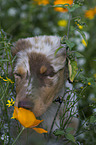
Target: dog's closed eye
(17,76)
(43,69)
(47,72)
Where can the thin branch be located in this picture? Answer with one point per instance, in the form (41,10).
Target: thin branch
(56,115)
(69,25)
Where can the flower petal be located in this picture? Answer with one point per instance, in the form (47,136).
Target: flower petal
(15,114)
(8,105)
(27,118)
(58,2)
(36,122)
(9,101)
(40,130)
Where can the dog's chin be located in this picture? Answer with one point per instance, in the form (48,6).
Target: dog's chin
(38,112)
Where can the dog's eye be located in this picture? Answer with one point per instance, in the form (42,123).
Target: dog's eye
(49,73)
(44,71)
(17,75)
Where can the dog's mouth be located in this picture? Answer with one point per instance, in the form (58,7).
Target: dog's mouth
(26,105)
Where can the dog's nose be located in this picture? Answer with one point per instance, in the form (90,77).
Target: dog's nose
(26,104)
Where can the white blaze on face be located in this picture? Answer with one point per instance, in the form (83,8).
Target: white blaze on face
(22,61)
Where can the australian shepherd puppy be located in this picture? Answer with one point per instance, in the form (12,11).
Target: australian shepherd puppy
(40,77)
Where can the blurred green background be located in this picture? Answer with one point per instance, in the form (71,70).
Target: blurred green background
(23,18)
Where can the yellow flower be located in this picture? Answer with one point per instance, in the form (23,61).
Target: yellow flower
(60,9)
(81,87)
(6,80)
(79,26)
(9,80)
(95,76)
(89,83)
(62,23)
(42,2)
(3,79)
(27,119)
(90,14)
(84,43)
(10,103)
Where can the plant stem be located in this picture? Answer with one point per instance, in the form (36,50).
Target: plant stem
(69,25)
(56,115)
(18,135)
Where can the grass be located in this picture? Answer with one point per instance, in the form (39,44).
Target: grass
(85,132)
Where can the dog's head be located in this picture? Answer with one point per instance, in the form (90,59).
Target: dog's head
(39,73)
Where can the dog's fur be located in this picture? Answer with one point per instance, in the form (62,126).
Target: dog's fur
(39,76)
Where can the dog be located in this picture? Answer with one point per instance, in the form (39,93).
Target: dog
(40,77)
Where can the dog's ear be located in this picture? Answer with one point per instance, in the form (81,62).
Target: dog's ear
(61,50)
(21,44)
(59,60)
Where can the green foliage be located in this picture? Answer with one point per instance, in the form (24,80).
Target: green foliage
(69,44)
(6,87)
(72,65)
(70,137)
(20,19)
(93,119)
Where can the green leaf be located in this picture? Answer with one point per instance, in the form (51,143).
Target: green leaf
(3,60)
(68,97)
(58,49)
(70,137)
(78,55)
(58,132)
(93,119)
(69,129)
(72,66)
(61,5)
(82,34)
(80,31)
(73,7)
(69,44)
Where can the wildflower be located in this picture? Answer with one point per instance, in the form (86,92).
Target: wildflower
(10,103)
(89,83)
(84,42)
(27,119)
(95,10)
(81,87)
(42,2)
(62,23)
(79,26)
(90,14)
(6,80)
(3,79)
(58,2)
(94,76)
(9,80)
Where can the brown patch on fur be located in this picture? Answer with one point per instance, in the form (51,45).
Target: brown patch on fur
(47,40)
(20,70)
(40,68)
(36,61)
(21,45)
(43,69)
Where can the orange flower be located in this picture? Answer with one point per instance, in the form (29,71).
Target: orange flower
(90,14)
(95,10)
(27,119)
(58,2)
(42,2)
